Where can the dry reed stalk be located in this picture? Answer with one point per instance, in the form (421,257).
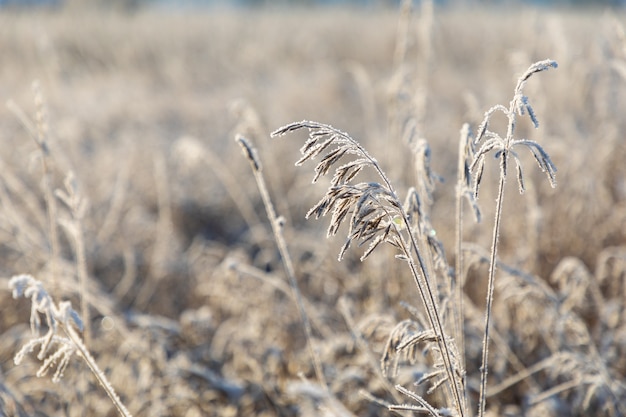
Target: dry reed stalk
(251,126)
(277,224)
(417,205)
(503,148)
(375,215)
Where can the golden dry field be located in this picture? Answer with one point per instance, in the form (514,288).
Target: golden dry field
(124,191)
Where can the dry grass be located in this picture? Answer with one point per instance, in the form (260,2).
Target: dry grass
(162,242)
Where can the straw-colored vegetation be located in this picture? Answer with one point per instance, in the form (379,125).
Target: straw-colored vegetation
(198,287)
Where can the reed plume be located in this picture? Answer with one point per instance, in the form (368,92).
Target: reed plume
(375,215)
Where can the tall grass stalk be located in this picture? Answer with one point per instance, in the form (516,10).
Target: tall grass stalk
(503,148)
(277,224)
(376,215)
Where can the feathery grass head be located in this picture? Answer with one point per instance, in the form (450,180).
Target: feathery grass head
(28,287)
(377,215)
(371,207)
(42,303)
(250,153)
(58,317)
(503,146)
(321,138)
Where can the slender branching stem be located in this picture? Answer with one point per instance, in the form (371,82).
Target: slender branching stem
(490,288)
(503,148)
(484,369)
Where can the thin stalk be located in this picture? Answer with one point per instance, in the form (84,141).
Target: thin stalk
(518,105)
(458,288)
(64,317)
(427,294)
(424,286)
(93,366)
(407,243)
(428,297)
(277,227)
(490,288)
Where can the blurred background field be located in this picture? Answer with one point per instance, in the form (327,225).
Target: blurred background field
(191,311)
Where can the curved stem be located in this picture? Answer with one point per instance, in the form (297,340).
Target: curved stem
(427,293)
(408,245)
(429,300)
